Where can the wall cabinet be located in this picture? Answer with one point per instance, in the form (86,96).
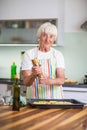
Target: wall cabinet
(21,32)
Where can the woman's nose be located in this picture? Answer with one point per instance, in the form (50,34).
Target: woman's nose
(47,38)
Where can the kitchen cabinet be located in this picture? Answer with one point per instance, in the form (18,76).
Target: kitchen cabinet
(3,89)
(21,32)
(78,93)
(22,89)
(6,91)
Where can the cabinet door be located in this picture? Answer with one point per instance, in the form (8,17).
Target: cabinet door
(23,90)
(3,89)
(22,31)
(78,95)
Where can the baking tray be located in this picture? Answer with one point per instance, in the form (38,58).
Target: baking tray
(74,103)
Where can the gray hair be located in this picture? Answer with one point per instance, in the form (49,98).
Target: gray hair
(47,28)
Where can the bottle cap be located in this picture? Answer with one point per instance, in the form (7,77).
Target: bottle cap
(14,62)
(17,76)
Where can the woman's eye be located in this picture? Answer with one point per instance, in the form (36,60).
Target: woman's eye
(51,36)
(44,35)
(47,36)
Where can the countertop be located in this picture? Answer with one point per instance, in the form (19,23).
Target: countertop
(79,85)
(49,119)
(9,81)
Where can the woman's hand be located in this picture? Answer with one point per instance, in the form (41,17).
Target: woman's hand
(59,80)
(45,81)
(36,70)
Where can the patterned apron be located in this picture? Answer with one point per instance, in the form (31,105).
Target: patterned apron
(37,90)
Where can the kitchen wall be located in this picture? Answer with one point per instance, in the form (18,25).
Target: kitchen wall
(74,44)
(75,50)
(75,39)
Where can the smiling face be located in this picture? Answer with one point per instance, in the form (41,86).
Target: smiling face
(46,40)
(47,34)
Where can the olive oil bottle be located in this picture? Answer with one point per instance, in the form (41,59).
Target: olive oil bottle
(16,94)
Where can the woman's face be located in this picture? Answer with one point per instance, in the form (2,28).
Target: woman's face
(46,40)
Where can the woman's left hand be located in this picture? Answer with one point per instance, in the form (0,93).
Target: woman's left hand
(45,81)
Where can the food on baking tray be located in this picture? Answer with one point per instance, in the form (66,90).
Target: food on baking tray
(70,81)
(52,102)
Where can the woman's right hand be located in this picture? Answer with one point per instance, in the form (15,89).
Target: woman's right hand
(36,70)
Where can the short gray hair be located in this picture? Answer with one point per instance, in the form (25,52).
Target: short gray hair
(47,28)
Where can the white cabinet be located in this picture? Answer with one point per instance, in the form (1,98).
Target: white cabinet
(23,89)
(5,93)
(75,93)
(3,89)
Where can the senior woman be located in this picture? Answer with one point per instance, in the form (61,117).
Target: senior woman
(49,86)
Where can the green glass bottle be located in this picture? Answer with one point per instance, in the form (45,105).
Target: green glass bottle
(16,95)
(13,70)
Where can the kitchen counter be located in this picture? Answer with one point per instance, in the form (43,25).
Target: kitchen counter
(37,119)
(9,81)
(80,85)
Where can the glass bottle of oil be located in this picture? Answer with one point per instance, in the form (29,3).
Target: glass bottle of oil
(16,94)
